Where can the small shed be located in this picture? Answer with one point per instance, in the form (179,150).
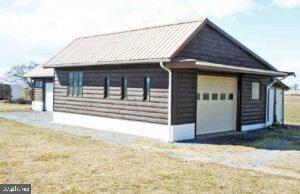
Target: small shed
(16,91)
(275,115)
(42,91)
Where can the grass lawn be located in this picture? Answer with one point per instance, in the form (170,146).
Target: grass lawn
(14,107)
(292,110)
(60,162)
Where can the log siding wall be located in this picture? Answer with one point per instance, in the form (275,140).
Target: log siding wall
(209,45)
(184,96)
(253,111)
(38,93)
(133,107)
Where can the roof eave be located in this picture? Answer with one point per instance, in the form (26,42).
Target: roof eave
(215,67)
(241,69)
(38,76)
(123,62)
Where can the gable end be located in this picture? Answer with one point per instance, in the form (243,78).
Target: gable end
(211,46)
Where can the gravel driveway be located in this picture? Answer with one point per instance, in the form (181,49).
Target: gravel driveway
(44,119)
(268,151)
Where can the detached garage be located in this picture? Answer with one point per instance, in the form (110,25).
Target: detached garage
(170,82)
(42,91)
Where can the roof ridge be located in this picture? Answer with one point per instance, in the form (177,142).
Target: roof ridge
(145,28)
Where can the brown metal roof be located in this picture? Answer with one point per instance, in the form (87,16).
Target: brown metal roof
(151,44)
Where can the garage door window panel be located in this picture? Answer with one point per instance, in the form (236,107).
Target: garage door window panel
(214,96)
(205,96)
(222,96)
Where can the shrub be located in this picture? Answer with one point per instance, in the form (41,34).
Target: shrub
(5,91)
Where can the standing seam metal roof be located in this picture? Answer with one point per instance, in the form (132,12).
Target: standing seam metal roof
(40,71)
(152,43)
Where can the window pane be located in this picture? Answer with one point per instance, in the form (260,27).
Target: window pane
(80,79)
(214,96)
(80,83)
(75,84)
(70,84)
(106,87)
(124,88)
(230,96)
(255,90)
(222,96)
(147,86)
(205,96)
(38,84)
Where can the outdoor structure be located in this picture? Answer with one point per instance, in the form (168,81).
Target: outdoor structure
(42,92)
(16,91)
(275,114)
(170,82)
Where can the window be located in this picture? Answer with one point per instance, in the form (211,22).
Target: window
(147,85)
(230,96)
(255,90)
(124,88)
(198,96)
(38,84)
(106,87)
(80,83)
(205,96)
(214,96)
(222,96)
(70,84)
(75,83)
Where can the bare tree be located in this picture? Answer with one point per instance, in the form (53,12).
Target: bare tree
(295,86)
(16,73)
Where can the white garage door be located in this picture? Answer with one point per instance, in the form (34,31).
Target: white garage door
(216,104)
(49,97)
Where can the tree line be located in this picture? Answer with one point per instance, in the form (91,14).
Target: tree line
(15,75)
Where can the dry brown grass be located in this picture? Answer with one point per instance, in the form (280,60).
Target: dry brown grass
(14,107)
(292,110)
(58,162)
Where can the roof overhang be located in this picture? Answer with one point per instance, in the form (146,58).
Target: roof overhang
(38,76)
(40,72)
(214,67)
(123,62)
(281,84)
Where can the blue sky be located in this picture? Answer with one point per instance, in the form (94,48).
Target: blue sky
(35,30)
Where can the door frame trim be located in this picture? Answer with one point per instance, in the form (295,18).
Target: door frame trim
(239,102)
(45,100)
